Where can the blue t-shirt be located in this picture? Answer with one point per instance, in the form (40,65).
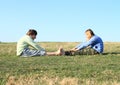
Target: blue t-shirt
(95,42)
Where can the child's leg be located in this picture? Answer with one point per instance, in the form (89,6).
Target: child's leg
(51,54)
(86,51)
(59,52)
(29,53)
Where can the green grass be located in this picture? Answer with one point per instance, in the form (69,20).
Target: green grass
(60,70)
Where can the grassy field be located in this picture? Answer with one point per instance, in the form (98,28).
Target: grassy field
(60,70)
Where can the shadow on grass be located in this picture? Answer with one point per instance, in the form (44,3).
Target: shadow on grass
(115,53)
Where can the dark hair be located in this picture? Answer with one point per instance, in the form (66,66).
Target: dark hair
(91,32)
(32,32)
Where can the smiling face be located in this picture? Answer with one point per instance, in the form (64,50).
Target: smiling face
(88,35)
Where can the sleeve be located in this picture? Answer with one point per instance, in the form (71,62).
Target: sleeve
(34,44)
(86,44)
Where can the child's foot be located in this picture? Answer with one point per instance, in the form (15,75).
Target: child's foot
(63,52)
(60,51)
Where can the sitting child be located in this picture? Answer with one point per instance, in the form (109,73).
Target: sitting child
(94,45)
(28,40)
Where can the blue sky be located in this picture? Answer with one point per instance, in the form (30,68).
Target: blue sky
(59,20)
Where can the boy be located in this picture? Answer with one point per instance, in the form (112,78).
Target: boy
(94,45)
(28,40)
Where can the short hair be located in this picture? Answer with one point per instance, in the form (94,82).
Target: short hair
(31,32)
(91,32)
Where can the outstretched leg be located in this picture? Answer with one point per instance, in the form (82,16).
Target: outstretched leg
(57,53)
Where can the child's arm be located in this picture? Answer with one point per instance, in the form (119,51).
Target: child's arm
(34,44)
(86,44)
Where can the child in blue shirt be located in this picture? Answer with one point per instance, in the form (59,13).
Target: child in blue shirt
(93,45)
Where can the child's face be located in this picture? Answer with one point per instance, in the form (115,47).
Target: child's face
(33,36)
(88,35)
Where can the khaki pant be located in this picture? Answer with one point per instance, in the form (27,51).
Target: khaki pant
(85,51)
